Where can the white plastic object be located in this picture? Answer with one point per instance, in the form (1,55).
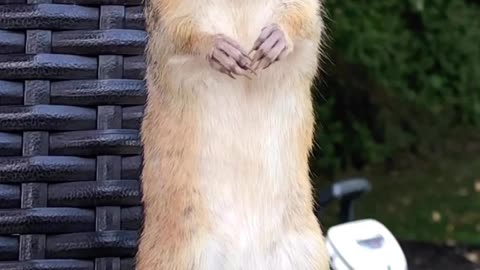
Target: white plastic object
(364,245)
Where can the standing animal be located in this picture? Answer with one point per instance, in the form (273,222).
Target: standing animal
(227,133)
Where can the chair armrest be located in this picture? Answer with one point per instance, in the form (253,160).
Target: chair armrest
(345,191)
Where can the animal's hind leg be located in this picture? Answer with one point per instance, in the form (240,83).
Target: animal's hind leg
(154,255)
(304,250)
(194,254)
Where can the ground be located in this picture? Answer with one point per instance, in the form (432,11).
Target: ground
(423,256)
(435,201)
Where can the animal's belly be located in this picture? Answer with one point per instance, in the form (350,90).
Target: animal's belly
(281,250)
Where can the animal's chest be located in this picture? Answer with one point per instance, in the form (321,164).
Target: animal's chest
(239,19)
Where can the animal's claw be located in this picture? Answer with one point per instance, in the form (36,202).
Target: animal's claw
(229,58)
(271,46)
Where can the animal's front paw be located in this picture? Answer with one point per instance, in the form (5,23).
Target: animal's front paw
(228,57)
(271,46)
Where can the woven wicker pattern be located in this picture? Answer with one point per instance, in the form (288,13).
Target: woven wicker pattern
(71,100)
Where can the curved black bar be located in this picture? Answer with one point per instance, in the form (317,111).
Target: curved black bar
(346,192)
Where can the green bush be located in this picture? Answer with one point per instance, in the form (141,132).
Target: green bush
(397,75)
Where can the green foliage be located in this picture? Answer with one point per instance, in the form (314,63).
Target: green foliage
(396,76)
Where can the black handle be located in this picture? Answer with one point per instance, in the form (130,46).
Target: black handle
(346,192)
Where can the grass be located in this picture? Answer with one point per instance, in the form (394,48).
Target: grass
(436,201)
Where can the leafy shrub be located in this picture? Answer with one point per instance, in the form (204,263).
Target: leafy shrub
(396,76)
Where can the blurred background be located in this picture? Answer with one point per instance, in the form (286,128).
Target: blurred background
(398,102)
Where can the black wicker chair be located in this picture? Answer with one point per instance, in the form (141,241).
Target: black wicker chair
(71,96)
